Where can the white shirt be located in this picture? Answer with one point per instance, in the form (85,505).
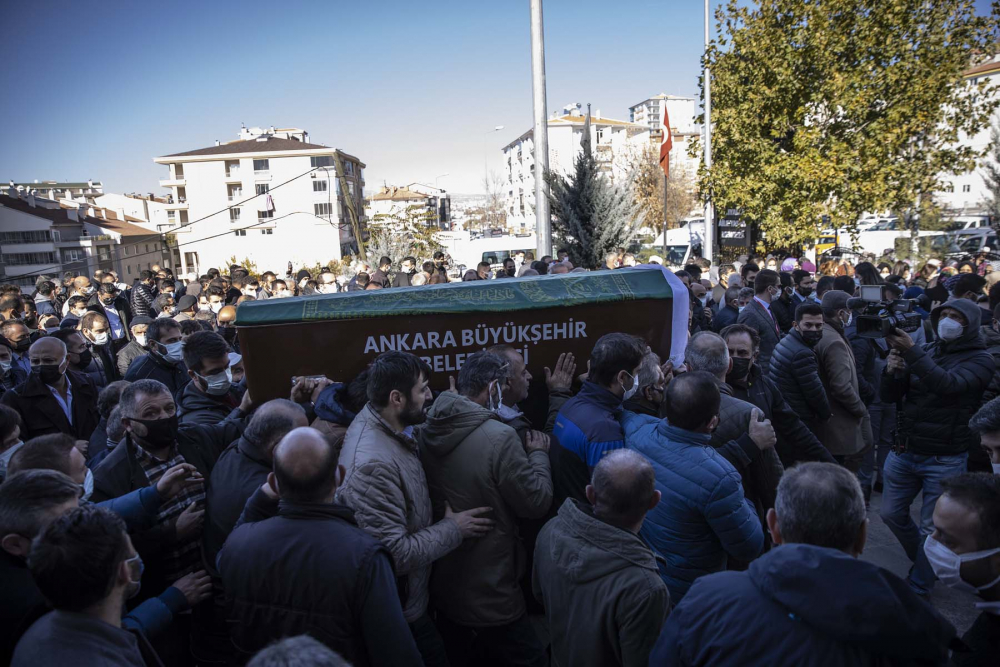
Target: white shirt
(114,321)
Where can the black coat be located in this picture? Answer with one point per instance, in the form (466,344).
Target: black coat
(237,474)
(312,570)
(727,315)
(153,367)
(142,300)
(128,354)
(795,371)
(943,388)
(784,311)
(120,472)
(864,363)
(402,279)
(41,413)
(795,442)
(196,407)
(756,317)
(23,603)
(124,310)
(806,606)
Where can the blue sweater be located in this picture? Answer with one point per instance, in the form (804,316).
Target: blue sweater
(702,515)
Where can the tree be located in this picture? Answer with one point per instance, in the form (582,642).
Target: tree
(403,232)
(647,185)
(493,214)
(991,175)
(837,107)
(591,215)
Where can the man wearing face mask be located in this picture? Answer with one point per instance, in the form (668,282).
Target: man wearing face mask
(114,307)
(795,442)
(187,306)
(760,318)
(153,444)
(227,328)
(509,269)
(165,360)
(54,399)
(729,312)
(652,387)
(986,423)
(805,285)
(143,295)
(938,388)
(136,347)
(795,368)
(587,425)
(81,358)
(76,307)
(19,337)
(163,306)
(407,268)
(94,328)
(10,376)
(964,552)
(848,431)
(210,396)
(10,437)
(473,459)
(80,287)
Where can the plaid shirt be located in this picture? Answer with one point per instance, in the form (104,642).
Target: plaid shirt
(183,557)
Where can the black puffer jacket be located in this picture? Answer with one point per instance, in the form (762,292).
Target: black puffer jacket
(993,347)
(795,370)
(943,389)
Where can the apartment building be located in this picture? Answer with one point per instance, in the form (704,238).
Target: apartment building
(390,200)
(270,196)
(56,190)
(46,237)
(615,143)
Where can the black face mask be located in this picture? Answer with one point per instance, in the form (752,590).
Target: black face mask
(741,367)
(511,272)
(48,373)
(85,358)
(22,345)
(108,302)
(159,432)
(810,338)
(805,291)
(228,333)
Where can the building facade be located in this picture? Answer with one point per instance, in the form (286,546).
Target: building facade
(270,197)
(390,201)
(615,143)
(56,190)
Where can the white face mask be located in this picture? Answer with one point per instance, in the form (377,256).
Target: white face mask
(630,392)
(947,564)
(5,366)
(204,307)
(704,301)
(101,339)
(219,383)
(948,329)
(141,339)
(741,308)
(996,468)
(850,318)
(88,486)
(216,306)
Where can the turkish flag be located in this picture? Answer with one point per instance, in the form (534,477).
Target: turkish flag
(666,143)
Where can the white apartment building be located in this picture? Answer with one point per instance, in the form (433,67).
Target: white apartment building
(45,237)
(966,194)
(270,196)
(391,200)
(681,112)
(56,190)
(613,142)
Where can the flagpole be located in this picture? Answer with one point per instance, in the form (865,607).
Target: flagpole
(543,220)
(706,244)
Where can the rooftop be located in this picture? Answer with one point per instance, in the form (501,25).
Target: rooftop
(60,216)
(991,67)
(571,120)
(662,96)
(393,193)
(259,145)
(48,185)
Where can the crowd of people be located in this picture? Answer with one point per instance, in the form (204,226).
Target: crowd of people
(637,511)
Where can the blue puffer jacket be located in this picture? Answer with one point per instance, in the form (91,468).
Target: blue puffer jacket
(703,514)
(803,606)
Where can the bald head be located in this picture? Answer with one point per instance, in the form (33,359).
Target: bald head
(707,351)
(305,467)
(271,422)
(48,350)
(623,489)
(227,315)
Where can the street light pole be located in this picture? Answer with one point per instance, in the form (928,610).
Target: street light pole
(708,241)
(543,220)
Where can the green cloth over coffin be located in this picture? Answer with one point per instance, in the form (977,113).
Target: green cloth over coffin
(491,296)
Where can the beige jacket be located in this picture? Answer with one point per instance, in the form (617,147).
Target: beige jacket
(842,434)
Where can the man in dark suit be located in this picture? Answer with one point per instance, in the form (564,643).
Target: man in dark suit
(757,315)
(109,302)
(54,399)
(729,312)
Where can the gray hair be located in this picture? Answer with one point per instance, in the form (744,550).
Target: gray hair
(130,396)
(746,293)
(109,397)
(820,504)
(733,293)
(301,651)
(647,374)
(624,484)
(707,351)
(115,428)
(479,370)
(27,498)
(987,419)
(272,422)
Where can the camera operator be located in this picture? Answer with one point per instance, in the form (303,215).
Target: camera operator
(937,388)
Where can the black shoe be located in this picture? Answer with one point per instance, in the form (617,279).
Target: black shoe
(878,486)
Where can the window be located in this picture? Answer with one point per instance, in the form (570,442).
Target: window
(129,269)
(147,247)
(240,232)
(322,210)
(171,215)
(321,161)
(234,215)
(263,188)
(320,186)
(261,165)
(126,251)
(156,246)
(264,215)
(40,236)
(266,231)
(349,168)
(966,188)
(20,259)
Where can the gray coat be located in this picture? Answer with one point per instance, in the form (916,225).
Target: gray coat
(848,430)
(603,596)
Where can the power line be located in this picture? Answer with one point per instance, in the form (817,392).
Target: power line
(228,208)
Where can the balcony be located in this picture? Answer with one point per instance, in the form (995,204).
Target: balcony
(235,197)
(233,176)
(171,182)
(179,204)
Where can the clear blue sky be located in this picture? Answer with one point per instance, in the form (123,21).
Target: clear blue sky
(96,90)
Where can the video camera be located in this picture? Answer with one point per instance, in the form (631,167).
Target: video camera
(879,317)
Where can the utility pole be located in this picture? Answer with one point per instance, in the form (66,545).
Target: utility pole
(543,219)
(709,240)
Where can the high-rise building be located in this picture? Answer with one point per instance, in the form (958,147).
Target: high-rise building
(271,197)
(650,112)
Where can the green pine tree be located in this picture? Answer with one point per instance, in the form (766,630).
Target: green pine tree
(592,216)
(991,175)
